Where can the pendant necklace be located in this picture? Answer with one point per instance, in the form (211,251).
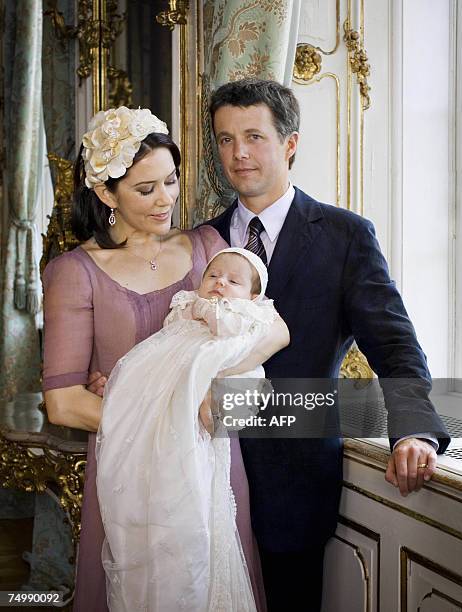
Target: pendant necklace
(152,262)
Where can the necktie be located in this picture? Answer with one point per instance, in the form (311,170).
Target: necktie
(255,243)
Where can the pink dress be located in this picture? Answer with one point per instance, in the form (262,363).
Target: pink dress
(90,322)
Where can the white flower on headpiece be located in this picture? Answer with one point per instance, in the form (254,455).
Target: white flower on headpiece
(113,139)
(143,118)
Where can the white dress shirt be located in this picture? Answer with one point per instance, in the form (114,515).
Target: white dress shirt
(273,218)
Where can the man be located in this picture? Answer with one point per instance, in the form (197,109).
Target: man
(330,283)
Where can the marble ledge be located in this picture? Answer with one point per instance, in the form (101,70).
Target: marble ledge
(24,421)
(377,450)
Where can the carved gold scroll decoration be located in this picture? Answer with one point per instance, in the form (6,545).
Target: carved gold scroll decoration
(21,468)
(307,63)
(86,31)
(357,57)
(98,26)
(355,365)
(174,15)
(121,89)
(59,237)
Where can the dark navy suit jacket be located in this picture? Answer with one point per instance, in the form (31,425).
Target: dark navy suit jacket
(330,283)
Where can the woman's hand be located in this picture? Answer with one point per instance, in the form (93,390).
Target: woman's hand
(96,383)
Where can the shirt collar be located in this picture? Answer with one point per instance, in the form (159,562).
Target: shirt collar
(272,217)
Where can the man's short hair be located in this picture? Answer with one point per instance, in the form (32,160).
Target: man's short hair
(281,101)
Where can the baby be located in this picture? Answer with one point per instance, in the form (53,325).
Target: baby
(163,482)
(228,275)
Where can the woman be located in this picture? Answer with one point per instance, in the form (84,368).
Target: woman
(178,541)
(114,290)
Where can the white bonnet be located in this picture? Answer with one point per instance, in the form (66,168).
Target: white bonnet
(256,262)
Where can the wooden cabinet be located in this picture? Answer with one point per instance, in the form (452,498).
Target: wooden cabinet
(393,553)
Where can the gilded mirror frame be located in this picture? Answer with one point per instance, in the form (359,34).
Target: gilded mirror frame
(98,24)
(183,18)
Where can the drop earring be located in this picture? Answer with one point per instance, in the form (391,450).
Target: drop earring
(112,219)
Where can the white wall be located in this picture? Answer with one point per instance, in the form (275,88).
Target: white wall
(399,173)
(426,164)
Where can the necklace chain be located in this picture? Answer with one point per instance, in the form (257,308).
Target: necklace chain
(152,262)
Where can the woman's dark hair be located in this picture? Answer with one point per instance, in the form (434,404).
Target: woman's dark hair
(90,216)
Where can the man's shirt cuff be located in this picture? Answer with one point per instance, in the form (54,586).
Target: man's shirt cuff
(426,437)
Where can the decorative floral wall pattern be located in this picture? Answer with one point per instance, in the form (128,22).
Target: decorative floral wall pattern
(241,39)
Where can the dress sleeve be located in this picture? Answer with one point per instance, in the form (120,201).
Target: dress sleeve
(68,323)
(255,313)
(212,241)
(180,307)
(237,316)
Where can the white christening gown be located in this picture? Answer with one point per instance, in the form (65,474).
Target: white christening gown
(163,483)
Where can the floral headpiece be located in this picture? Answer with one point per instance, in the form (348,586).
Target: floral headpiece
(113,139)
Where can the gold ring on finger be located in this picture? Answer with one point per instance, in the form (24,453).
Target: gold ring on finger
(422,466)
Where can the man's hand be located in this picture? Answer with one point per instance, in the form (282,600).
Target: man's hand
(205,412)
(403,469)
(96,382)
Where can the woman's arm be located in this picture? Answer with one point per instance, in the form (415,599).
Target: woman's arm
(68,347)
(73,407)
(276,339)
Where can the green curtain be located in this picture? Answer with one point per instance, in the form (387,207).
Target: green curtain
(20,300)
(241,39)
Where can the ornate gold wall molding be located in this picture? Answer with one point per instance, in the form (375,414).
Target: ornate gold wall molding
(337,32)
(355,365)
(86,32)
(21,468)
(59,237)
(64,170)
(121,89)
(98,26)
(357,57)
(189,92)
(357,60)
(176,14)
(318,79)
(307,63)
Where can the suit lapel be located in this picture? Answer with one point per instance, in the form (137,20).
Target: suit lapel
(222,223)
(294,242)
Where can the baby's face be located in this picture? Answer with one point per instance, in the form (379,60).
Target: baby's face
(229,276)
